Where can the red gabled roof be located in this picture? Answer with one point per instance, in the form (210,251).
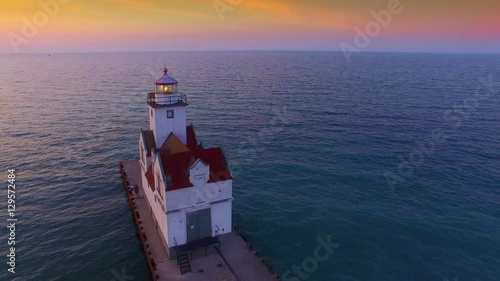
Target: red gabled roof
(176,162)
(150,177)
(192,143)
(173,145)
(177,166)
(219,171)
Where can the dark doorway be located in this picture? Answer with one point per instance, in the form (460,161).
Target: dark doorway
(199,225)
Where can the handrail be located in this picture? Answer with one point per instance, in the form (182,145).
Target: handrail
(177,253)
(172,99)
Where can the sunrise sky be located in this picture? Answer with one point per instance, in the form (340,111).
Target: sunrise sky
(163,25)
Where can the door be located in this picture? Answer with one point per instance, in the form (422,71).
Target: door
(199,225)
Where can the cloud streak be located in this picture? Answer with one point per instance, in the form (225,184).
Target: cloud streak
(320,24)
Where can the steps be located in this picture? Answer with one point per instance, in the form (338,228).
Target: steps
(183,262)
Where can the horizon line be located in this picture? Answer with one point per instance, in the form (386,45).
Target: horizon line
(257,50)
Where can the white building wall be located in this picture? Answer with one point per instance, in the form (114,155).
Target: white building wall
(177,228)
(146,191)
(182,201)
(147,160)
(151,115)
(163,126)
(221,217)
(217,191)
(160,211)
(155,201)
(185,197)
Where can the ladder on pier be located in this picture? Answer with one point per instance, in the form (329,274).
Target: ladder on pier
(183,262)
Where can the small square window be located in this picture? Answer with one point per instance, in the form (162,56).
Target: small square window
(170,114)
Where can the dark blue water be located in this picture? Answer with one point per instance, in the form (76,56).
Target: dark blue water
(395,157)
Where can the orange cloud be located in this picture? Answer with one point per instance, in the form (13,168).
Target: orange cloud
(197,20)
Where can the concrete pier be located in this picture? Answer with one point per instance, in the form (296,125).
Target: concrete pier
(235,260)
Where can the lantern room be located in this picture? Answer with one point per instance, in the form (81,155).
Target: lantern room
(166,84)
(166,93)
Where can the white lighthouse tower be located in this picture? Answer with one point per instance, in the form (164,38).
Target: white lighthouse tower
(187,187)
(167,110)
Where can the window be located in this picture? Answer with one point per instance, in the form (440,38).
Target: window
(170,114)
(151,112)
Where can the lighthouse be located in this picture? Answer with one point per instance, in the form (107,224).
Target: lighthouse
(167,110)
(183,199)
(187,187)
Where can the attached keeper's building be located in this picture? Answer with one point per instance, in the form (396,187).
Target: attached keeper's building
(188,187)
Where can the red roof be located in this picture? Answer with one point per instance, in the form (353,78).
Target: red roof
(177,166)
(192,143)
(150,177)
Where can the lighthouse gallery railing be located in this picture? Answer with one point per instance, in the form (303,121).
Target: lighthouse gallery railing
(172,99)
